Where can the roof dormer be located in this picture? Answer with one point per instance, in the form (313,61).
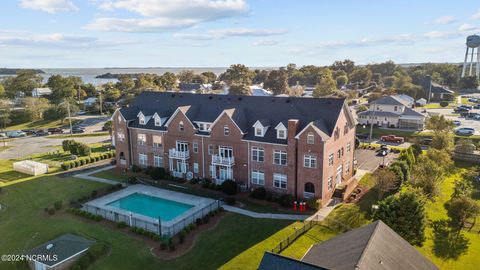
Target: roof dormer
(141,118)
(281,131)
(261,127)
(158,120)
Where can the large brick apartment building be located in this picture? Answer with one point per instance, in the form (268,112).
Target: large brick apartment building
(299,146)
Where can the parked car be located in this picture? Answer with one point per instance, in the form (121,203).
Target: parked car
(461,109)
(469,107)
(476,117)
(457,122)
(3,135)
(392,138)
(41,132)
(383,151)
(473,100)
(29,131)
(362,136)
(426,141)
(470,115)
(16,134)
(476,106)
(78,130)
(55,130)
(465,131)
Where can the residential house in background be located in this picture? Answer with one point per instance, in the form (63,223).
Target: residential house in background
(194,87)
(374,247)
(392,112)
(298,146)
(41,92)
(436,92)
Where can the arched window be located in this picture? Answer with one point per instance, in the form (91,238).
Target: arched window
(309,187)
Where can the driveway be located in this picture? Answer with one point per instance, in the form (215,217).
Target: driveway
(91,123)
(368,160)
(22,147)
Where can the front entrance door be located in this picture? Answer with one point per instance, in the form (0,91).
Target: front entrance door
(181,166)
(225,173)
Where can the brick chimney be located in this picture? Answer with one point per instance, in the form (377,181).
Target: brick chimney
(292,128)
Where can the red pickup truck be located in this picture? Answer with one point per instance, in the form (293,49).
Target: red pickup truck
(392,138)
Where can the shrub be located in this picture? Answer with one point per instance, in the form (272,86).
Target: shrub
(192,226)
(97,159)
(136,168)
(206,183)
(157,173)
(212,186)
(83,149)
(77,163)
(65,166)
(230,200)
(206,219)
(92,159)
(198,221)
(286,200)
(229,187)
(82,162)
(182,235)
(259,193)
(58,205)
(51,211)
(313,203)
(84,262)
(443,103)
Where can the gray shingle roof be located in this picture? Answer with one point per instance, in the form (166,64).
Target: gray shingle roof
(375,247)
(247,110)
(63,247)
(272,261)
(379,113)
(389,100)
(411,112)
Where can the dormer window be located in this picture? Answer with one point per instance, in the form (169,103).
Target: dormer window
(281,131)
(181,127)
(260,128)
(310,138)
(141,120)
(158,120)
(203,126)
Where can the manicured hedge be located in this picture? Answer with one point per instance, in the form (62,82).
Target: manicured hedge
(85,160)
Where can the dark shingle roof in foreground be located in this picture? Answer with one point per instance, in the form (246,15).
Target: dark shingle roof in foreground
(247,110)
(375,247)
(272,261)
(63,247)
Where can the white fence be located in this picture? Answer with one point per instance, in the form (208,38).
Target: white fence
(30,167)
(169,230)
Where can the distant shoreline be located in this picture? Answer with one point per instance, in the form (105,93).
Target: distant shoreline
(13,71)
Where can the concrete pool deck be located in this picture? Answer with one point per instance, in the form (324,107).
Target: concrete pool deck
(100,205)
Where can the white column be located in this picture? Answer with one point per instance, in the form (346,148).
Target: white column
(465,63)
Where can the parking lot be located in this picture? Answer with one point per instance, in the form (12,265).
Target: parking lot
(449,114)
(369,160)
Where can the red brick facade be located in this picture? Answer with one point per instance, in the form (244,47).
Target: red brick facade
(200,160)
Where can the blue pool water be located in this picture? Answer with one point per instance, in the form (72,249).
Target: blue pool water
(150,206)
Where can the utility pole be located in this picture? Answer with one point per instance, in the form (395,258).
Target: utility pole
(101,111)
(371,125)
(69,117)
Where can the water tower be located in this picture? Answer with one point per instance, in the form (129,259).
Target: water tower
(473,42)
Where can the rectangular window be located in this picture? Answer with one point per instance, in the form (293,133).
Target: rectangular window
(142,139)
(310,138)
(341,150)
(257,154)
(158,121)
(279,157)
(210,149)
(281,134)
(157,161)
(330,183)
(195,147)
(280,180)
(258,177)
(309,161)
(259,132)
(195,167)
(142,159)
(142,120)
(226,130)
(181,127)
(330,160)
(347,167)
(157,141)
(338,153)
(348,147)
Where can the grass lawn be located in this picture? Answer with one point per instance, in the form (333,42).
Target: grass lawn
(113,174)
(42,124)
(24,225)
(378,132)
(437,106)
(250,258)
(82,135)
(316,234)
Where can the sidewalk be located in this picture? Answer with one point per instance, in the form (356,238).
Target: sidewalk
(263,215)
(87,176)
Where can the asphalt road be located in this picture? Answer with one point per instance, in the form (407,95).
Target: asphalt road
(369,160)
(449,114)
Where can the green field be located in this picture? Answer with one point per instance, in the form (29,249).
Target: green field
(42,124)
(25,225)
(82,135)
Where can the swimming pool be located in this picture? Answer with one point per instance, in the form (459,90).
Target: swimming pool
(150,206)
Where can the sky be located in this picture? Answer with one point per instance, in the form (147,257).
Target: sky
(218,33)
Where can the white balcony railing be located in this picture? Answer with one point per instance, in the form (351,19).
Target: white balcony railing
(174,153)
(224,161)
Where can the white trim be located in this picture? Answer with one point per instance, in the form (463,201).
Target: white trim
(78,253)
(259,125)
(318,131)
(286,144)
(146,129)
(175,114)
(218,118)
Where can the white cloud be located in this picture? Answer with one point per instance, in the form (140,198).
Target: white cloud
(265,42)
(50,6)
(441,35)
(231,32)
(476,15)
(444,20)
(466,27)
(160,15)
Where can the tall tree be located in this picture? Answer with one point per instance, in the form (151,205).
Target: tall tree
(24,82)
(460,209)
(348,66)
(326,85)
(385,181)
(63,87)
(125,83)
(405,214)
(211,77)
(361,76)
(260,76)
(186,76)
(239,78)
(277,82)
